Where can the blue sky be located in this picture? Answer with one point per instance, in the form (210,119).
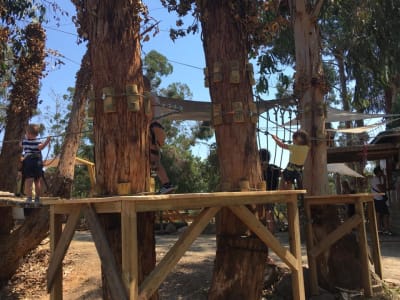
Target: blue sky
(188,61)
(185,54)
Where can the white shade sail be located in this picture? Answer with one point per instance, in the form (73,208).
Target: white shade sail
(342,169)
(178,109)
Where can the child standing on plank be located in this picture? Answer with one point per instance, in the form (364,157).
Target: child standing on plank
(298,154)
(32,164)
(157,140)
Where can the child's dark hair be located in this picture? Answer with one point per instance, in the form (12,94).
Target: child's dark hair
(33,129)
(377,170)
(303,135)
(264,155)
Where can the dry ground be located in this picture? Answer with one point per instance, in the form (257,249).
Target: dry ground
(189,280)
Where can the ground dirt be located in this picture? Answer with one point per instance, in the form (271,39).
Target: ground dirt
(190,279)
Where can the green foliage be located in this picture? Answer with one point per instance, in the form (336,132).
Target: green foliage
(81,186)
(361,33)
(210,170)
(156,65)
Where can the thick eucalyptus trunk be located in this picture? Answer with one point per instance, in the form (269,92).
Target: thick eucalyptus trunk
(341,266)
(22,240)
(120,137)
(310,88)
(23,101)
(240,258)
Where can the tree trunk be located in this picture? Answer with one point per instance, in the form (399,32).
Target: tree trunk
(22,240)
(23,102)
(310,87)
(240,258)
(120,137)
(61,184)
(391,94)
(339,56)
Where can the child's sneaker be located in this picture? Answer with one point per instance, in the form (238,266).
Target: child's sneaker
(166,188)
(37,199)
(28,200)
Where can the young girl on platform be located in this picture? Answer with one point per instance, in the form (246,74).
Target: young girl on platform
(298,154)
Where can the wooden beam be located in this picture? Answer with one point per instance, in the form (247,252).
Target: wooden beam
(363,244)
(358,152)
(117,288)
(182,201)
(336,235)
(248,218)
(160,272)
(373,231)
(338,199)
(55,233)
(295,248)
(312,262)
(130,264)
(62,246)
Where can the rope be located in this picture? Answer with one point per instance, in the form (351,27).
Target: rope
(275,112)
(282,111)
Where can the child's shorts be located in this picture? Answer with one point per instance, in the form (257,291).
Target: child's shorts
(32,167)
(291,175)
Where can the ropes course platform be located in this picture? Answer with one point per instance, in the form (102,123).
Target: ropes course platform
(364,205)
(10,200)
(125,285)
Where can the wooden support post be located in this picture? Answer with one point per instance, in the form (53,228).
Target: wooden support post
(373,231)
(336,235)
(295,247)
(312,262)
(249,219)
(363,244)
(117,288)
(62,246)
(129,233)
(55,233)
(157,276)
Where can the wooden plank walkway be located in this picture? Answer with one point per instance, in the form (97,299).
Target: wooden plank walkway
(128,206)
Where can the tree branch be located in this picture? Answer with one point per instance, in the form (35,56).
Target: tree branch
(317,8)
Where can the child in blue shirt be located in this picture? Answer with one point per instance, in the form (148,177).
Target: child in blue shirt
(32,164)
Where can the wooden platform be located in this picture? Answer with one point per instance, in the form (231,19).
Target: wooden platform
(125,285)
(362,203)
(10,200)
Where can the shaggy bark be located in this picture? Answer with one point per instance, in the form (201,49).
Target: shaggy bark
(240,258)
(22,240)
(120,137)
(310,88)
(23,101)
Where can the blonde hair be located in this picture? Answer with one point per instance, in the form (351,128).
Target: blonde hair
(33,129)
